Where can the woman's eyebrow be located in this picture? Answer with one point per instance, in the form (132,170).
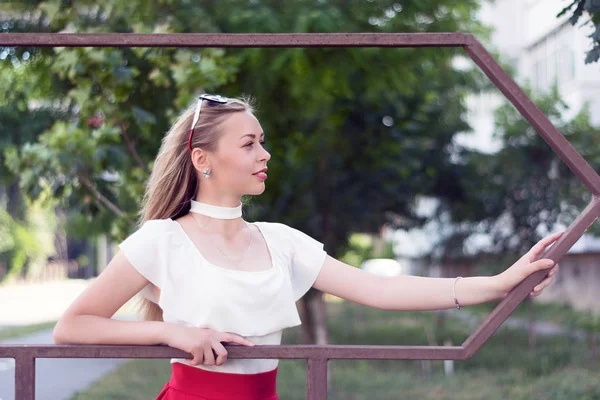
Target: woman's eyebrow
(252,135)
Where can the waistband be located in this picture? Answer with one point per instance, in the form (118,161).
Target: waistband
(221,385)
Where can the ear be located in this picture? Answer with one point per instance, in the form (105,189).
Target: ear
(200,159)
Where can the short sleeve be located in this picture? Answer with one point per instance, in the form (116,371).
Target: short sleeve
(146,253)
(307,259)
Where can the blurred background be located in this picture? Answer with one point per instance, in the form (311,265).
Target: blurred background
(402,161)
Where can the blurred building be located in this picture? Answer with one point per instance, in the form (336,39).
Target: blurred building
(543,50)
(578,280)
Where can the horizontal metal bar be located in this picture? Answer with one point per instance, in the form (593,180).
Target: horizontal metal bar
(331,352)
(236,39)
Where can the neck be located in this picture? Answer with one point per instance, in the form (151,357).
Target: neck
(226,221)
(218,201)
(217,212)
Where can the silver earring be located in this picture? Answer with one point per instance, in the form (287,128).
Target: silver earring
(206,173)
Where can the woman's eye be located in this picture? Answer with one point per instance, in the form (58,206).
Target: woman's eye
(251,143)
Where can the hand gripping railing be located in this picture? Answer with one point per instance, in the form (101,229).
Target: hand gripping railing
(318,356)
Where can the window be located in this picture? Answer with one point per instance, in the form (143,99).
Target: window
(566,64)
(539,75)
(553,59)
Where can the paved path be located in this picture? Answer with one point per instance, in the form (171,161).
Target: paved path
(25,304)
(56,379)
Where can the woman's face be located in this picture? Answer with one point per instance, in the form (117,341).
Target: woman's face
(239,157)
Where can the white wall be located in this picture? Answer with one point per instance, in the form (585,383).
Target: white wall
(543,49)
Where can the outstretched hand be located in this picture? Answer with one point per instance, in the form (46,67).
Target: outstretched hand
(527,265)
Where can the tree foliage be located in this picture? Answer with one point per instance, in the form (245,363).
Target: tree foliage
(591,9)
(523,191)
(355,133)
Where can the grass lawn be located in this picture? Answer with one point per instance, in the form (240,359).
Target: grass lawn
(504,368)
(561,314)
(16,331)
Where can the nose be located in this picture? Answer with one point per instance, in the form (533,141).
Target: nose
(266,155)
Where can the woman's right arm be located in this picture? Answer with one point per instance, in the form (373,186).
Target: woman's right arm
(88,319)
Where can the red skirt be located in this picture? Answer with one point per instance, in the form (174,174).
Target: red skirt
(190,383)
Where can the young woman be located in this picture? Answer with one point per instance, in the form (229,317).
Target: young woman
(208,277)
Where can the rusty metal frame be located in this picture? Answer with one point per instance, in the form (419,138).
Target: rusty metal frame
(318,356)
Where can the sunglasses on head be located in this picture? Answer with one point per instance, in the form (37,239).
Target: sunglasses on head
(210,97)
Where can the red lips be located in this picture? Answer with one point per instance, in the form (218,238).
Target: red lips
(261,174)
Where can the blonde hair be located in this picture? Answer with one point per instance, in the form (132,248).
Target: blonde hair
(174,181)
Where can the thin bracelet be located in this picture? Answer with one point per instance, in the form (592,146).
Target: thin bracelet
(454,292)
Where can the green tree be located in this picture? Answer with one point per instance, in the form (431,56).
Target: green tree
(520,191)
(525,184)
(590,322)
(115,105)
(25,245)
(355,134)
(22,248)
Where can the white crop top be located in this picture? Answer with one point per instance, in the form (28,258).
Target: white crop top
(257,305)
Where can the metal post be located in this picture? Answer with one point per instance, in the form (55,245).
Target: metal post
(25,377)
(316,378)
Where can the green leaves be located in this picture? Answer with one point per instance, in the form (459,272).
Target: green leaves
(113,105)
(355,133)
(525,187)
(29,242)
(591,8)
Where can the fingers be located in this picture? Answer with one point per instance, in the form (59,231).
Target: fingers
(203,352)
(221,353)
(198,357)
(233,338)
(544,263)
(540,246)
(539,288)
(209,357)
(553,271)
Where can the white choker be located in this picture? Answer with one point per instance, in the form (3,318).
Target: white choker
(216,211)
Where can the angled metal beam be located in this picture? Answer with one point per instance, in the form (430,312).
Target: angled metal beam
(534,116)
(522,290)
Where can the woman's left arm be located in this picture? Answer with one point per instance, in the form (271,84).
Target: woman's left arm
(414,293)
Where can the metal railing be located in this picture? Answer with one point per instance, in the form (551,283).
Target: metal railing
(318,356)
